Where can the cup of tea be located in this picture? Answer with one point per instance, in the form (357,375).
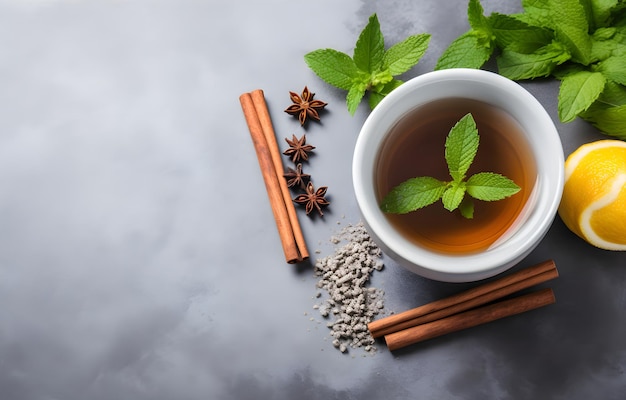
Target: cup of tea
(405,137)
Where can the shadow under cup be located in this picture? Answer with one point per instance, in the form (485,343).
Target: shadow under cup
(462,91)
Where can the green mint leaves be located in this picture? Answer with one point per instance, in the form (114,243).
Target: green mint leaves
(371,68)
(460,150)
(473,48)
(580,42)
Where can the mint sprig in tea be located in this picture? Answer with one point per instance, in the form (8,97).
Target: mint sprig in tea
(470,155)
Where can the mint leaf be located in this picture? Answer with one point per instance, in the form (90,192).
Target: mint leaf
(489,186)
(453,195)
(601,11)
(567,69)
(476,18)
(466,51)
(404,55)
(379,80)
(580,42)
(608,113)
(473,48)
(572,28)
(354,97)
(371,68)
(568,18)
(518,66)
(610,120)
(332,66)
(466,208)
(460,150)
(577,92)
(613,95)
(577,42)
(568,12)
(370,47)
(604,33)
(603,43)
(376,97)
(537,13)
(614,68)
(413,194)
(517,35)
(461,147)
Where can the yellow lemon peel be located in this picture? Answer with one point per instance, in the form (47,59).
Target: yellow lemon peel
(594,196)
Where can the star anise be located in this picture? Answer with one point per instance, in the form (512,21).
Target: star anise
(313,198)
(305,105)
(298,149)
(296,176)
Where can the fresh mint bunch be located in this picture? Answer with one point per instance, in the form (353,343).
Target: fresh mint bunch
(371,68)
(580,42)
(460,150)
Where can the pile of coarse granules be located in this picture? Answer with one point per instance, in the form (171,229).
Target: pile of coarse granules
(350,304)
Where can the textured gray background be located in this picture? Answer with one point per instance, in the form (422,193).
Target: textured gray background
(139,257)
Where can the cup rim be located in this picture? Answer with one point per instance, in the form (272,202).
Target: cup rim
(549,184)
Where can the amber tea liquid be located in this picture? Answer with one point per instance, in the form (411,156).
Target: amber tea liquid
(415,147)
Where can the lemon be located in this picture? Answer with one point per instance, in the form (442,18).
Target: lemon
(593,205)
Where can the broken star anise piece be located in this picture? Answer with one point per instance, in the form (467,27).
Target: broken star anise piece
(298,149)
(305,106)
(313,198)
(296,176)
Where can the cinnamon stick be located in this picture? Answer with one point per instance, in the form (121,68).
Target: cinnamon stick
(271,180)
(469,319)
(466,300)
(258,98)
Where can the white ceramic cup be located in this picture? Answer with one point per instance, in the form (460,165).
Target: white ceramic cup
(542,205)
